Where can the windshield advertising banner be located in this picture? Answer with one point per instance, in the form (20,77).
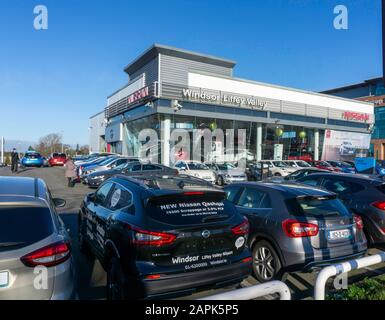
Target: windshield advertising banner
(343,145)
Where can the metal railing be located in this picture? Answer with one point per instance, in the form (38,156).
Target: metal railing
(253,292)
(338,269)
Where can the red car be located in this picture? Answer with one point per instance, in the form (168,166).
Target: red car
(57,159)
(324,165)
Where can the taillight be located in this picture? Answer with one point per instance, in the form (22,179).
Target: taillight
(150,238)
(379,205)
(193,193)
(297,229)
(358,221)
(49,256)
(242,229)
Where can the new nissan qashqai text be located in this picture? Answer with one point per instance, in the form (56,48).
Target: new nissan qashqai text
(164,236)
(296,228)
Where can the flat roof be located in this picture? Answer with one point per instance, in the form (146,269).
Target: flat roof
(353,86)
(156,49)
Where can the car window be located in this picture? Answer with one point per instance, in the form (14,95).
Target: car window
(311,182)
(23,225)
(232,193)
(101,195)
(317,206)
(251,198)
(120,198)
(342,187)
(137,167)
(148,167)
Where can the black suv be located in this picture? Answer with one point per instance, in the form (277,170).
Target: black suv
(362,194)
(159,237)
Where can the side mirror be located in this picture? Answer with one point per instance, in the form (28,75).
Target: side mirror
(91,197)
(59,203)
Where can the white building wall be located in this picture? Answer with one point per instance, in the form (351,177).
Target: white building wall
(275,92)
(97,127)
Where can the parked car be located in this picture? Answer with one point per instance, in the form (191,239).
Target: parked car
(94,180)
(32,159)
(227,173)
(253,171)
(343,166)
(279,168)
(324,166)
(45,162)
(300,173)
(93,157)
(297,163)
(195,169)
(162,237)
(108,164)
(97,161)
(33,235)
(295,228)
(57,159)
(364,195)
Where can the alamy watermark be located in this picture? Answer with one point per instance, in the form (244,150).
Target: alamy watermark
(341,21)
(40,21)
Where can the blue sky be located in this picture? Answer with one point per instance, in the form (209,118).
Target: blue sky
(54,80)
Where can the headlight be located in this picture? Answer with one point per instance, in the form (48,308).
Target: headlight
(227,176)
(98,177)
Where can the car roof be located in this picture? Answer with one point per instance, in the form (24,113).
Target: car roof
(21,189)
(351,176)
(164,183)
(292,189)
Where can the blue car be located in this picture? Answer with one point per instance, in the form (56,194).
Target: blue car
(32,159)
(343,166)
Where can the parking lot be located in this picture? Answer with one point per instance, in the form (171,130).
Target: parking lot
(91,278)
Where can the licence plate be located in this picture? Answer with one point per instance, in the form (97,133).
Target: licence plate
(339,234)
(4,279)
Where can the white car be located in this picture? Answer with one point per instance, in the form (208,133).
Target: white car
(279,168)
(299,164)
(195,169)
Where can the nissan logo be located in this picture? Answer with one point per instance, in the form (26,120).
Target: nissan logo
(206,234)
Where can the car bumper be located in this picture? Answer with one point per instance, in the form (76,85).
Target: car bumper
(319,258)
(190,282)
(64,286)
(229,180)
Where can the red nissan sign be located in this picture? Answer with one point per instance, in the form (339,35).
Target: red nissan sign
(357,116)
(138,95)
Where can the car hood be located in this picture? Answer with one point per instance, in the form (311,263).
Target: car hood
(201,173)
(232,172)
(105,173)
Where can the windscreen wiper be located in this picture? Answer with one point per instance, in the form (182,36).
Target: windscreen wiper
(10,244)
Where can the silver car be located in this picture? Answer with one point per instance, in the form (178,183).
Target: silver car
(109,164)
(35,251)
(227,173)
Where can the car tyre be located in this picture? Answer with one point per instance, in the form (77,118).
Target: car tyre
(220,181)
(266,263)
(116,281)
(277,174)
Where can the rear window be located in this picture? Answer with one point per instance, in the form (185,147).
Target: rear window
(33,155)
(22,226)
(191,209)
(317,207)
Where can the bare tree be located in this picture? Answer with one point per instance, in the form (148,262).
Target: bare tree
(49,144)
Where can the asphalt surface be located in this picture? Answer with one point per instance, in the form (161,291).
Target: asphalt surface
(91,278)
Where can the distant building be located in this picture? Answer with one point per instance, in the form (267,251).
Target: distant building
(373,91)
(97,127)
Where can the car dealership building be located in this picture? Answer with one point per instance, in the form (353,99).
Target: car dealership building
(170,89)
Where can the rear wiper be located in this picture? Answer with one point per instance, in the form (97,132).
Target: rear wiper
(215,218)
(10,244)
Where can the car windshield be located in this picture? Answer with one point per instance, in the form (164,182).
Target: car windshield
(197,166)
(303,164)
(280,164)
(225,166)
(106,161)
(324,164)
